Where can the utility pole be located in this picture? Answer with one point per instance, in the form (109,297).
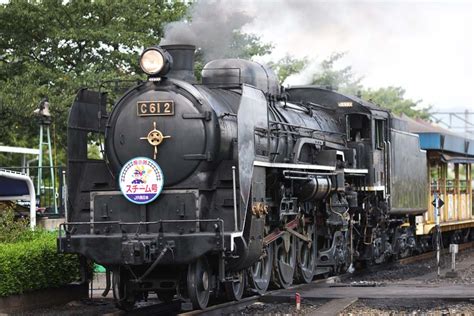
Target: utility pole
(437,203)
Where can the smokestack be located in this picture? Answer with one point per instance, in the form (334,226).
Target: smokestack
(183,62)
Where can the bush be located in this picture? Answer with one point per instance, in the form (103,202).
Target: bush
(13,229)
(32,263)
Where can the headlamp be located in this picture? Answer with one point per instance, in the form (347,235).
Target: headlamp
(155,61)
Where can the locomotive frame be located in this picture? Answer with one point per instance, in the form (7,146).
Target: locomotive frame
(267,186)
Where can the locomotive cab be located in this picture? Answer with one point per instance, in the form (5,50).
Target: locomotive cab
(366,130)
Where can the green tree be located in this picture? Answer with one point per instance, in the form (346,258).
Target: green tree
(288,66)
(393,98)
(54,48)
(51,48)
(338,79)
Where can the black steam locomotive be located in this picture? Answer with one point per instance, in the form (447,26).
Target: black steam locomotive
(235,183)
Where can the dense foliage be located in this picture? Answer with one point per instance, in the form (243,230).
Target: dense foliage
(12,229)
(53,48)
(29,259)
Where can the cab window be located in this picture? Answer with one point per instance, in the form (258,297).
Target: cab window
(358,127)
(379,134)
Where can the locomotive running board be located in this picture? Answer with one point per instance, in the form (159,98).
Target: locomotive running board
(307,166)
(293,166)
(355,171)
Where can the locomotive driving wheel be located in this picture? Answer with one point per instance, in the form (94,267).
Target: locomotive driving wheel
(306,256)
(260,272)
(199,283)
(235,289)
(284,261)
(124,299)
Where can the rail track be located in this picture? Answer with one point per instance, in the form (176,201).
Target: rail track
(432,254)
(176,307)
(231,307)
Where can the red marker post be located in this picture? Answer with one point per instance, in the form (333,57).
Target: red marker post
(298,301)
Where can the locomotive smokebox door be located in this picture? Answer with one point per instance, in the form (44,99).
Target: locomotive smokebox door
(148,122)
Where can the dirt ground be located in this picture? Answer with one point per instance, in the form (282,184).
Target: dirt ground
(413,274)
(410,307)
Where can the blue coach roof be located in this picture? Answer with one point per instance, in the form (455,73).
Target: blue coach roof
(439,139)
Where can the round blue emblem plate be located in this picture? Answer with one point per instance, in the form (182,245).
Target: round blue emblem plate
(141,180)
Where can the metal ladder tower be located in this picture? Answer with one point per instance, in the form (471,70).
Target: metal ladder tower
(44,116)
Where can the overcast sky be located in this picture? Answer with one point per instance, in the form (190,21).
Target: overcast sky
(424,46)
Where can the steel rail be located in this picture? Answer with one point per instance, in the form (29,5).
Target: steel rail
(432,254)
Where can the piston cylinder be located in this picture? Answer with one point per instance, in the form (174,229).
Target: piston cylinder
(316,188)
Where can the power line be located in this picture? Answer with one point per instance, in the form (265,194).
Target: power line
(456,120)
